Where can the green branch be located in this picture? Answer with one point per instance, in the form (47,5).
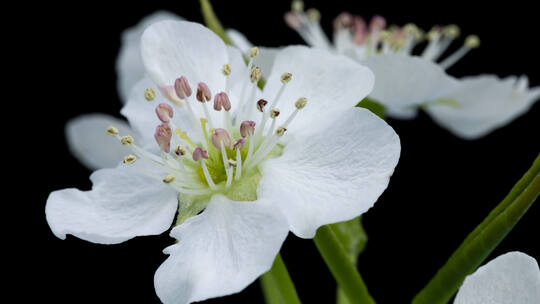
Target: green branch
(483,239)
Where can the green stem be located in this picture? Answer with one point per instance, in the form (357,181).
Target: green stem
(341,266)
(277,285)
(483,240)
(212,21)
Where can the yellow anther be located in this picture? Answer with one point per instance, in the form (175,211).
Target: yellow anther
(452,31)
(180,150)
(183,135)
(313,14)
(127,140)
(112,131)
(169,179)
(280,131)
(472,41)
(300,103)
(226,70)
(433,33)
(255,74)
(385,35)
(254,52)
(286,77)
(297,5)
(150,94)
(130,159)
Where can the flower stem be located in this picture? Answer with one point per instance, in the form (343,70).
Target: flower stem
(277,285)
(483,239)
(341,266)
(212,21)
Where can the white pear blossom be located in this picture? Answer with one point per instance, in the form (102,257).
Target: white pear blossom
(409,76)
(513,277)
(241,166)
(84,134)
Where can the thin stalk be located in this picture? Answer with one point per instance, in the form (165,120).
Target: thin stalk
(339,263)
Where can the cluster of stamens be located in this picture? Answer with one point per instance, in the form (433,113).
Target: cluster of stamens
(214,156)
(352,35)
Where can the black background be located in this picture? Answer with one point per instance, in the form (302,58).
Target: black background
(442,187)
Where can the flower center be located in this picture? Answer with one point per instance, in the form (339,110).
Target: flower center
(213,158)
(355,37)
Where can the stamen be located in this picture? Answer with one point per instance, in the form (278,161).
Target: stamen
(280,131)
(199,153)
(293,20)
(169,178)
(286,77)
(112,131)
(261,104)
(297,5)
(150,94)
(247,128)
(130,159)
(164,112)
(182,87)
(300,103)
(221,138)
(226,70)
(180,150)
(221,100)
(254,52)
(238,146)
(255,74)
(203,92)
(127,140)
(471,42)
(274,113)
(313,15)
(163,136)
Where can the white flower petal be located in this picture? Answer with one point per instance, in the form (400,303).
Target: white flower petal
(121,205)
(142,116)
(90,144)
(129,66)
(171,49)
(332,175)
(404,113)
(239,40)
(485,103)
(403,81)
(331,84)
(220,251)
(513,277)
